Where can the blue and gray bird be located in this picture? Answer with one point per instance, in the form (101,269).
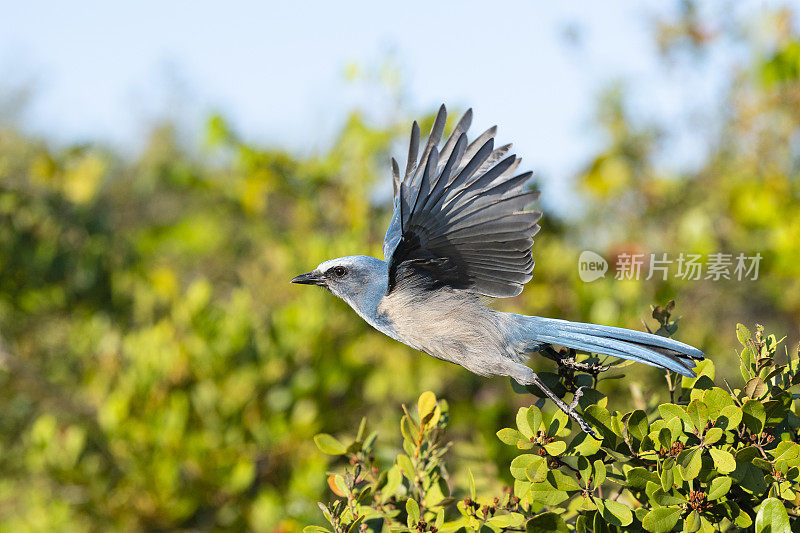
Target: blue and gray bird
(460,231)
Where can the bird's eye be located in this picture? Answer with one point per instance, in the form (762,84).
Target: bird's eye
(339,271)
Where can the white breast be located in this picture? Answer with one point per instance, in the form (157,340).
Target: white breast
(450,325)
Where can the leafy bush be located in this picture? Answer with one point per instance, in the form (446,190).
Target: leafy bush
(714,458)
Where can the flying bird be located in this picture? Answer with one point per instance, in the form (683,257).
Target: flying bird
(461,231)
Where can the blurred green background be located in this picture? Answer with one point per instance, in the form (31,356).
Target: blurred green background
(158,372)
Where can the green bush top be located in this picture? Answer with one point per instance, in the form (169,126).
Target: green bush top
(715,458)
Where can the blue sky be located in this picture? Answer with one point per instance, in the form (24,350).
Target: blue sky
(107,70)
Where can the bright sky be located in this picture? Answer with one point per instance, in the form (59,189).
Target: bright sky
(106,70)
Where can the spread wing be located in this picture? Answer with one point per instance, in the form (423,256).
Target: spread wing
(459,214)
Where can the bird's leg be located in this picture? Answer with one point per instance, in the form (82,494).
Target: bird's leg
(569,410)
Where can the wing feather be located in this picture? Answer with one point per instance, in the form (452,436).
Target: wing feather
(461,215)
(460,129)
(413,151)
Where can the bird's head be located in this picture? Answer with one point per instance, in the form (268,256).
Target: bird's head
(359,280)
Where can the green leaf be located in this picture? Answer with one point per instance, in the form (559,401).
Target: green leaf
(356,523)
(676,427)
(537,470)
(787,451)
(327,444)
(585,503)
(750,478)
(616,424)
(599,525)
(599,470)
(754,415)
(744,369)
(558,425)
(772,517)
(562,481)
(638,426)
(584,469)
(471,483)
(520,463)
(546,494)
(713,435)
(362,427)
(662,519)
(689,463)
(639,476)
(534,418)
(600,419)
(742,334)
(426,404)
(724,461)
(667,498)
(315,529)
(546,523)
(698,414)
(365,493)
(741,518)
(668,411)
(692,522)
(406,466)
(746,455)
(667,478)
(522,423)
(505,521)
(716,399)
(412,508)
(665,438)
(732,414)
(408,429)
(509,436)
(439,519)
(615,513)
(648,444)
(325,512)
(394,478)
(556,447)
(719,487)
(705,376)
(584,445)
(369,441)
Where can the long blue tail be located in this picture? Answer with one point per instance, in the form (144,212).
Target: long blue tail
(639,346)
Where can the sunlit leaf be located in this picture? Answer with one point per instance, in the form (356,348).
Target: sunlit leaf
(724,462)
(772,517)
(546,523)
(661,519)
(329,445)
(719,487)
(425,406)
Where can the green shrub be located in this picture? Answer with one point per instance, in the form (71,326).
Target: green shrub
(715,458)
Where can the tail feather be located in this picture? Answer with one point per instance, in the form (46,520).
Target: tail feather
(638,346)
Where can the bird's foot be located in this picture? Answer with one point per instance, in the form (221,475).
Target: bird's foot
(589,368)
(567,361)
(577,395)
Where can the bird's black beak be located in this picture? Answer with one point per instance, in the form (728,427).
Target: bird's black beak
(309,278)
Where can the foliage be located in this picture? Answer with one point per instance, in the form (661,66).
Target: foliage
(714,459)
